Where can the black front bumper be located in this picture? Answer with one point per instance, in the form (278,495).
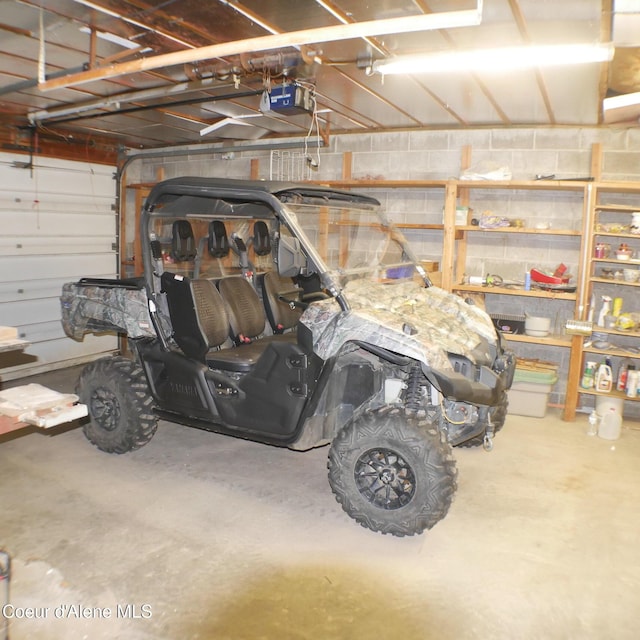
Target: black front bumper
(479,385)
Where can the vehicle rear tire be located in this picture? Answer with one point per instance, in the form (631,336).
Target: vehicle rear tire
(392,472)
(498,416)
(116,393)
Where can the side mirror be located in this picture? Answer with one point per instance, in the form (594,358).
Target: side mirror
(291,260)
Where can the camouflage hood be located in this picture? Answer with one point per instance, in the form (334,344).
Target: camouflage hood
(422,323)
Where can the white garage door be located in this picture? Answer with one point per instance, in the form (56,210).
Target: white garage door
(57,224)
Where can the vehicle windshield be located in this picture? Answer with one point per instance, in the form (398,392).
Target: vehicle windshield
(355,241)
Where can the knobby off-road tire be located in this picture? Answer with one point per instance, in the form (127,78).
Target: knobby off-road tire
(392,472)
(120,406)
(498,416)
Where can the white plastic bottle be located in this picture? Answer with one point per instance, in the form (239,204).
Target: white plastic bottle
(623,371)
(632,383)
(604,378)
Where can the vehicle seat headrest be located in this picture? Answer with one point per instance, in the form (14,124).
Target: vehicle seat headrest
(261,238)
(218,239)
(183,244)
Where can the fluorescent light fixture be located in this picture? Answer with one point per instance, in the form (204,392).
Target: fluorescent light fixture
(622,108)
(624,100)
(496,60)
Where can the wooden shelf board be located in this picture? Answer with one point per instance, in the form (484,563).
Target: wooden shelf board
(616,332)
(534,293)
(622,208)
(549,232)
(382,184)
(608,394)
(411,225)
(621,234)
(612,352)
(535,185)
(616,185)
(614,282)
(632,263)
(554,341)
(141,185)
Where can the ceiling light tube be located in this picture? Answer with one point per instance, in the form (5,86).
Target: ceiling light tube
(621,108)
(621,101)
(496,59)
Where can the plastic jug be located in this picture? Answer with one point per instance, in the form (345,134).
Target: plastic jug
(604,378)
(610,425)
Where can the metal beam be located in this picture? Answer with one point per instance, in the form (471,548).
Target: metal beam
(405,24)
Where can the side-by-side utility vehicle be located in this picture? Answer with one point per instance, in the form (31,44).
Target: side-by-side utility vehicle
(298,316)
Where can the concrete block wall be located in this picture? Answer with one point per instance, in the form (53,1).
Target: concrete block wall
(424,155)
(564,151)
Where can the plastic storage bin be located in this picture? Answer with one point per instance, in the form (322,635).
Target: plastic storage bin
(529,399)
(529,394)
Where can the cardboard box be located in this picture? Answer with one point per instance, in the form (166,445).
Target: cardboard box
(511,324)
(430,265)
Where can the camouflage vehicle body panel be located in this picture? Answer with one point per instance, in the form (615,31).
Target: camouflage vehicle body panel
(94,308)
(405,318)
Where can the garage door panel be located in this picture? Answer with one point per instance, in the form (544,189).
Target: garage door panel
(73,267)
(20,314)
(55,246)
(41,331)
(62,177)
(19,290)
(58,225)
(28,222)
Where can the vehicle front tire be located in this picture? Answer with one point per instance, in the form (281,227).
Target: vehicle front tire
(392,472)
(116,393)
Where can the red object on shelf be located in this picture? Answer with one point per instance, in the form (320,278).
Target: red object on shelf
(540,276)
(560,270)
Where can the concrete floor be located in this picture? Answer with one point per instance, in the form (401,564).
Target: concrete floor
(203,536)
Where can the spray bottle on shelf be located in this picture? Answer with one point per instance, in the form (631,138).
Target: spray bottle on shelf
(588,377)
(605,310)
(631,387)
(623,372)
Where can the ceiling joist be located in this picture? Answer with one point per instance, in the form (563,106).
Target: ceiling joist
(324,45)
